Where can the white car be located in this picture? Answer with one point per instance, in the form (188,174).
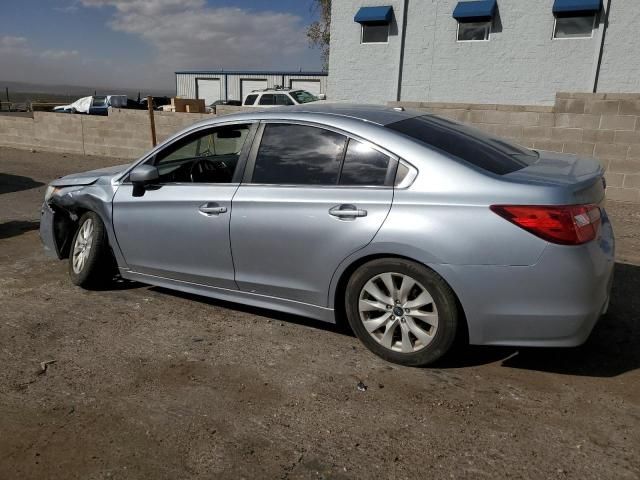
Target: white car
(278,98)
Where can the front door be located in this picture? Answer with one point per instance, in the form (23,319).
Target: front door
(179,228)
(307,206)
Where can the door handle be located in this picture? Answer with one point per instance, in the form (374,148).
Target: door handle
(347,212)
(210,209)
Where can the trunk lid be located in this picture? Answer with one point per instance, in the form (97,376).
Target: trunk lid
(581,178)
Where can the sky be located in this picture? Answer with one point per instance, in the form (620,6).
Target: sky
(139,44)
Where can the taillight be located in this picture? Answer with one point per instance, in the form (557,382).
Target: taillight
(565,224)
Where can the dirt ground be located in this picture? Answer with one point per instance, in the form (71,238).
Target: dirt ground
(148,383)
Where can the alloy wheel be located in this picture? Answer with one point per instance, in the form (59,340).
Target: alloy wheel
(82,246)
(398,312)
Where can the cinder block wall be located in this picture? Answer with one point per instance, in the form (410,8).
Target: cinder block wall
(604,126)
(123,134)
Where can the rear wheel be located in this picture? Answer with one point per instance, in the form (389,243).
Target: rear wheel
(90,261)
(402,311)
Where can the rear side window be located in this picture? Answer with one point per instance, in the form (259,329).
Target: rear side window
(250,100)
(267,99)
(364,165)
(467,143)
(299,155)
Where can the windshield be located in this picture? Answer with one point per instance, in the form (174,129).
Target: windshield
(302,96)
(467,143)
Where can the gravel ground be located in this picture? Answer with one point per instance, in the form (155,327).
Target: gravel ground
(147,383)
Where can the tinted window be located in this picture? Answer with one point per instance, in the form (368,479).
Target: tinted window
(283,100)
(375,33)
(267,99)
(472,145)
(208,156)
(363,165)
(250,100)
(298,155)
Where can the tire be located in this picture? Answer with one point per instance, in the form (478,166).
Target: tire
(90,259)
(415,332)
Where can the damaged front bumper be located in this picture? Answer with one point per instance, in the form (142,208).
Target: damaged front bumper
(47,234)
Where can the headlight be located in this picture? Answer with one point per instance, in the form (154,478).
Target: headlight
(50,192)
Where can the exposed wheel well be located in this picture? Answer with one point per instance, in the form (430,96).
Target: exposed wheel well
(64,227)
(338,301)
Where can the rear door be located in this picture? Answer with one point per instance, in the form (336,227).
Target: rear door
(311,197)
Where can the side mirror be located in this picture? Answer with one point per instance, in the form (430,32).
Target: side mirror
(143,175)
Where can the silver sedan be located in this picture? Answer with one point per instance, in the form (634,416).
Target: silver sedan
(417,229)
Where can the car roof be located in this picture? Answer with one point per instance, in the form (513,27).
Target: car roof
(377,114)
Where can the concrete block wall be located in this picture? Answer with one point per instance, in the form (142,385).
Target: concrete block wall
(601,125)
(123,134)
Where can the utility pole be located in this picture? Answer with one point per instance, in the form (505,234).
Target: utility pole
(152,120)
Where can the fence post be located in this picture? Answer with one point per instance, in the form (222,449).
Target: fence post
(152,120)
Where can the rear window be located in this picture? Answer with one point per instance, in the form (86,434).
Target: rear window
(467,143)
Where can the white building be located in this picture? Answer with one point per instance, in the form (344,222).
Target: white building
(482,51)
(212,85)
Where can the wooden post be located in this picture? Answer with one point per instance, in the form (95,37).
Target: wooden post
(6,90)
(152,120)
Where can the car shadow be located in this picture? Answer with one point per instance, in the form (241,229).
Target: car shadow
(16,183)
(611,350)
(338,327)
(13,228)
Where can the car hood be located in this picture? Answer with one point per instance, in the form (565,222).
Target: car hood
(92,176)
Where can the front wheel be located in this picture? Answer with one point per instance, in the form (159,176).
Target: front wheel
(402,311)
(90,262)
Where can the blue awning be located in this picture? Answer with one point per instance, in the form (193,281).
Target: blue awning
(374,15)
(475,10)
(577,6)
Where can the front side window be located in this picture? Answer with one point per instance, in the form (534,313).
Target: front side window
(473,31)
(207,156)
(364,165)
(250,100)
(574,26)
(298,155)
(374,33)
(267,99)
(282,99)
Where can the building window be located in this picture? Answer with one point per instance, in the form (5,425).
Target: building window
(372,33)
(374,23)
(574,26)
(473,31)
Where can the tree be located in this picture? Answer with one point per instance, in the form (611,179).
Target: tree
(318,33)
